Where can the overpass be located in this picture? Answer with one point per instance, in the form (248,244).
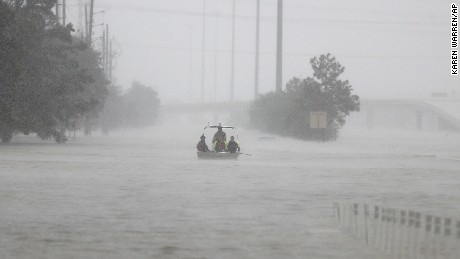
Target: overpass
(216,107)
(411,114)
(439,114)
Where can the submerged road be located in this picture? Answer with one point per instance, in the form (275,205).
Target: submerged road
(144,194)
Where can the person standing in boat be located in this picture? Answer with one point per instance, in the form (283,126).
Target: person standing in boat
(220,134)
(201,146)
(233,146)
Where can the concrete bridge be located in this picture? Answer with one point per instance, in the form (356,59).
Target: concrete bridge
(217,107)
(431,115)
(410,114)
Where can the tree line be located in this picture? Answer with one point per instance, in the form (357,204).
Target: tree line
(137,107)
(50,79)
(289,112)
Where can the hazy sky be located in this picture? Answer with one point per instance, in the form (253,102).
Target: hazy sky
(390,48)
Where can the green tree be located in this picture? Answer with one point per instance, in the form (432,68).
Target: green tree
(48,77)
(288,112)
(271,112)
(21,56)
(141,105)
(325,91)
(113,114)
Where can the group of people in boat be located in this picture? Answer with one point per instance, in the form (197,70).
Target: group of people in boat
(219,143)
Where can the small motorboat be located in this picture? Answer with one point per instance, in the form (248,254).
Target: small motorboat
(219,155)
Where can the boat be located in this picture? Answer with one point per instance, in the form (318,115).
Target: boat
(218,155)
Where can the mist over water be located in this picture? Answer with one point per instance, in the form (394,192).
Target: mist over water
(125,180)
(143,193)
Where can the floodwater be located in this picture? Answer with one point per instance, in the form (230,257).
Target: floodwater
(144,194)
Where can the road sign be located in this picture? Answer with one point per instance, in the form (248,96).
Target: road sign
(318,120)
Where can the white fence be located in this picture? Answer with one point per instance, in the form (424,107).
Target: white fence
(401,233)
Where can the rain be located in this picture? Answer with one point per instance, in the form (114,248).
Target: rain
(229,129)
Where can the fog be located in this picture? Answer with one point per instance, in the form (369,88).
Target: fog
(365,165)
(144,194)
(391,49)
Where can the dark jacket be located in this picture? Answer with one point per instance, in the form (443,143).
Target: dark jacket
(219,135)
(232,146)
(201,146)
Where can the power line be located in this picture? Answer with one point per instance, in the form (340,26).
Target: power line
(69,10)
(291,5)
(240,52)
(273,19)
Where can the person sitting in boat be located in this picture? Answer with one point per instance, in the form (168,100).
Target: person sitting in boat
(201,146)
(219,134)
(232,145)
(219,145)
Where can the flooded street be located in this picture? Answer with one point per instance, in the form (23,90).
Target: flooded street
(372,85)
(144,194)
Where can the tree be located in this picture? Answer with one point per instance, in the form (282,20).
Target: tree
(325,91)
(48,77)
(271,112)
(138,107)
(288,112)
(21,56)
(112,116)
(141,105)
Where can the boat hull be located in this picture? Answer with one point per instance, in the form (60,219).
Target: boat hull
(217,155)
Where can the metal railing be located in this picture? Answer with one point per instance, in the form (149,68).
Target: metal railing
(400,233)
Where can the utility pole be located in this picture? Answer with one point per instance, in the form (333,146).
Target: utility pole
(216,32)
(87,122)
(110,61)
(190,65)
(57,11)
(256,80)
(104,53)
(63,12)
(106,47)
(80,15)
(232,80)
(202,54)
(91,21)
(86,24)
(279,48)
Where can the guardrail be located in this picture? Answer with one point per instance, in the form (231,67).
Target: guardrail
(401,233)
